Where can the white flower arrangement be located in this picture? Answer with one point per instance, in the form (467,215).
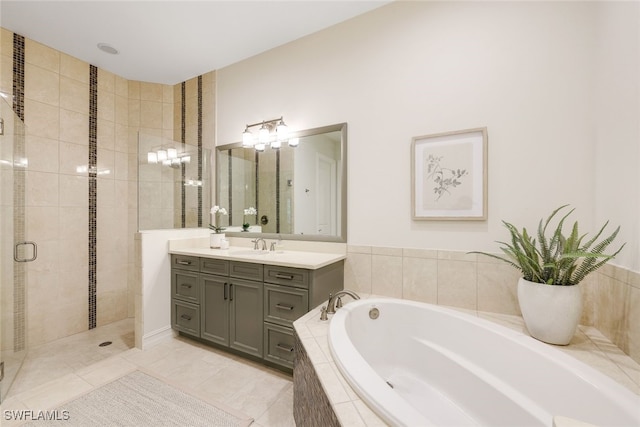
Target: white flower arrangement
(216,211)
(249,211)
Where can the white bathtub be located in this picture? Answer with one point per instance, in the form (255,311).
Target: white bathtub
(424,365)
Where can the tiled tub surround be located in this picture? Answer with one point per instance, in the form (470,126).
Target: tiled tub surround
(588,346)
(475,282)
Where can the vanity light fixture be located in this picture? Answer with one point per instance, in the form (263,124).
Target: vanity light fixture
(272,132)
(168,156)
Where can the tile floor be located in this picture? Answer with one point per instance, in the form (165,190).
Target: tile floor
(65,369)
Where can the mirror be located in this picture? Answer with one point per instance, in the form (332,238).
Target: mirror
(172,192)
(299,193)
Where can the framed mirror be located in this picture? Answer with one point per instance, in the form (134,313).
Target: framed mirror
(298,193)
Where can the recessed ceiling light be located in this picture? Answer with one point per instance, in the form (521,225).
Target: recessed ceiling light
(107,48)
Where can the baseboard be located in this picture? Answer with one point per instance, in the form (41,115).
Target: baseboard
(153,338)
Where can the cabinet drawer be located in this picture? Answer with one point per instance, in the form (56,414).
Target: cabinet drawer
(278,345)
(246,270)
(185,262)
(185,286)
(284,304)
(185,317)
(287,276)
(214,266)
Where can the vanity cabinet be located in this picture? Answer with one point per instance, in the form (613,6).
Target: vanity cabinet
(231,304)
(185,301)
(247,307)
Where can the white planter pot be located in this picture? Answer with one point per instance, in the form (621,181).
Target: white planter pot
(215,240)
(551,313)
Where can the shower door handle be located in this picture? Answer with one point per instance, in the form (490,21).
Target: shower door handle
(16,256)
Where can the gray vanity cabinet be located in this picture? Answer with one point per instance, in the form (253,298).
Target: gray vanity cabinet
(289,294)
(231,306)
(215,309)
(247,307)
(245,329)
(185,302)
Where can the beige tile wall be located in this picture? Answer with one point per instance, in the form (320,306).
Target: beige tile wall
(56,101)
(57,117)
(611,295)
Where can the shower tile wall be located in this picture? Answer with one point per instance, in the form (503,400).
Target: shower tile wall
(611,295)
(58,202)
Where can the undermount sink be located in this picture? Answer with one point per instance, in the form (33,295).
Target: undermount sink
(249,252)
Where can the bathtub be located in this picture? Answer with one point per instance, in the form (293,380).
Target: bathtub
(419,364)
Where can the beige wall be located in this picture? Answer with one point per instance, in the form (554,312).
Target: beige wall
(57,122)
(561,107)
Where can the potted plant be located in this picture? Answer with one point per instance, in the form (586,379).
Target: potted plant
(552,267)
(249,211)
(217,236)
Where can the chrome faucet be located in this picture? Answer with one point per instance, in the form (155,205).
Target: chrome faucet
(331,304)
(258,240)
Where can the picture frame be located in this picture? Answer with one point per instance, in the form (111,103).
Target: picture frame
(449,176)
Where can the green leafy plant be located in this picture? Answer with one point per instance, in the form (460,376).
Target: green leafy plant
(555,259)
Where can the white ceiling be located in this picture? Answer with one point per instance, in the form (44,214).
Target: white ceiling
(172,41)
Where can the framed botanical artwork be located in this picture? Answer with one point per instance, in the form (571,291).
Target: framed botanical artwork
(449,176)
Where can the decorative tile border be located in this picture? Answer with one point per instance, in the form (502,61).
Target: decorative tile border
(93,194)
(200,150)
(230,191)
(278,191)
(183,139)
(19,194)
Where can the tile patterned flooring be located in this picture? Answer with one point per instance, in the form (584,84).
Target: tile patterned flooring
(57,372)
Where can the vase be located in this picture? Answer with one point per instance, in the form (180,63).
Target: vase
(551,313)
(215,240)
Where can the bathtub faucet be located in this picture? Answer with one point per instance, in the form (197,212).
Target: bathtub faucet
(332,305)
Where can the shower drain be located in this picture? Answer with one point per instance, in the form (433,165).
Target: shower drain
(104,344)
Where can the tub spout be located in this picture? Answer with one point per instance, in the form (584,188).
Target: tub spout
(331,304)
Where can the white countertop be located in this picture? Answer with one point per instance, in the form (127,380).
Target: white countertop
(287,258)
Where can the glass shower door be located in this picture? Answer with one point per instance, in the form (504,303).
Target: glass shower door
(14,252)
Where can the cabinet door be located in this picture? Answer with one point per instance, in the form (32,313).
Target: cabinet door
(245,298)
(214,308)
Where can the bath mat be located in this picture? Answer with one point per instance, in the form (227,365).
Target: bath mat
(138,399)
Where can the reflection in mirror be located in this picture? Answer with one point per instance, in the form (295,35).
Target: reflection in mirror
(298,193)
(173,184)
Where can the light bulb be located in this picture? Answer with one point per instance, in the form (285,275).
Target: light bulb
(276,144)
(293,142)
(152,157)
(259,146)
(263,135)
(247,138)
(172,153)
(162,155)
(282,131)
